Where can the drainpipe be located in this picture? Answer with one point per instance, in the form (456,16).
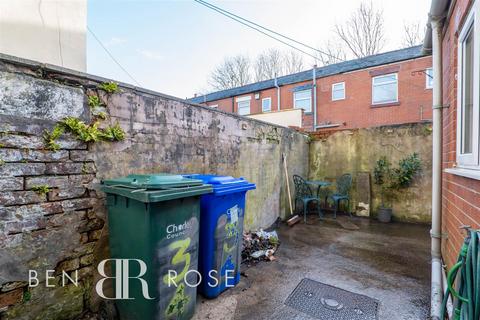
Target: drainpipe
(314,80)
(433,41)
(278,92)
(436,231)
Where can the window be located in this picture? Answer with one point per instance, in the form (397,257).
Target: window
(468,93)
(214,106)
(429,78)
(338,91)
(385,89)
(303,100)
(266,104)
(243,104)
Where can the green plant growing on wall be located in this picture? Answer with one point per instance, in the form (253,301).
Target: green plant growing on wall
(87,132)
(391,179)
(109,87)
(82,131)
(407,169)
(85,168)
(94,102)
(101,115)
(2,162)
(113,133)
(27,296)
(51,137)
(41,189)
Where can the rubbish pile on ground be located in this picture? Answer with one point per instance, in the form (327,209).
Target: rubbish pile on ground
(259,246)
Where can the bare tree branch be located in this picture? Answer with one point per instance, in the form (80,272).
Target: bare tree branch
(413,35)
(238,70)
(274,62)
(363,33)
(232,72)
(333,52)
(293,62)
(269,64)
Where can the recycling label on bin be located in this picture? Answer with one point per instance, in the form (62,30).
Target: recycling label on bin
(177,254)
(228,233)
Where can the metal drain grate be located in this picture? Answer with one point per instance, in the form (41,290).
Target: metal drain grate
(330,303)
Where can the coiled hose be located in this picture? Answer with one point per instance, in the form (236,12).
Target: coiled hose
(466,274)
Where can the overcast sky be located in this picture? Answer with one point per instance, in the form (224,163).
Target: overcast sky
(172,46)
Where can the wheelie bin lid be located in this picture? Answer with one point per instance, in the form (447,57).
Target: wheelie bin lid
(223,184)
(155,187)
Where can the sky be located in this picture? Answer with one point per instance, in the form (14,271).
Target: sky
(172,46)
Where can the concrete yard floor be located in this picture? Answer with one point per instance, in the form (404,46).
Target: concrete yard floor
(388,262)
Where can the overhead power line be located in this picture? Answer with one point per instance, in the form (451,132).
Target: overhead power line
(232,16)
(112,57)
(239,20)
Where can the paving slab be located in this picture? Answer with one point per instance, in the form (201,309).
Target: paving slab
(387,262)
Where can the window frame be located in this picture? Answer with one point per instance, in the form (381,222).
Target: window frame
(309,98)
(270,104)
(243,99)
(373,87)
(429,78)
(472,23)
(343,89)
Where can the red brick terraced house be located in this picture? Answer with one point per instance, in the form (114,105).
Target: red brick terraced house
(384,89)
(453,35)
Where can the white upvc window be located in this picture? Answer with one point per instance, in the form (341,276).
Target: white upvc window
(468,92)
(243,105)
(267,104)
(385,89)
(214,106)
(303,100)
(338,91)
(429,78)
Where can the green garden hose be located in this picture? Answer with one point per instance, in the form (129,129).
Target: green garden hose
(466,275)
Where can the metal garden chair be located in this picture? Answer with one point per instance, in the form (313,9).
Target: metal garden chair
(304,194)
(342,192)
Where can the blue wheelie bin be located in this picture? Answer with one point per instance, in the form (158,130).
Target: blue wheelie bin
(221,232)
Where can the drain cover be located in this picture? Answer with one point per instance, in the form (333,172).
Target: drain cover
(330,303)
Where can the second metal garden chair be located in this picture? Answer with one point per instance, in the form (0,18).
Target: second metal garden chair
(344,183)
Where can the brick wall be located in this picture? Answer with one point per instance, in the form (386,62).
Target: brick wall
(460,195)
(356,111)
(65,228)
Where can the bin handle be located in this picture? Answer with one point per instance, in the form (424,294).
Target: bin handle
(138,190)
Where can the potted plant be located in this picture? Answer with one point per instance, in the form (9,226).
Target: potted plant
(390,180)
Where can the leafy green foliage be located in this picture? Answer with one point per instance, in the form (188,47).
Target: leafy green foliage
(83,132)
(381,170)
(393,179)
(101,115)
(27,296)
(407,169)
(41,189)
(109,87)
(113,133)
(94,102)
(51,137)
(84,168)
(91,133)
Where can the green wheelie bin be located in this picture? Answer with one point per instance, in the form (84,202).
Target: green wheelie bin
(154,233)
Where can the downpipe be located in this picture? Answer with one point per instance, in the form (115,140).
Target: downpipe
(436,231)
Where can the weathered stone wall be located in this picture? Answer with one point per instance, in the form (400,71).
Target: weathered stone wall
(66,228)
(357,151)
